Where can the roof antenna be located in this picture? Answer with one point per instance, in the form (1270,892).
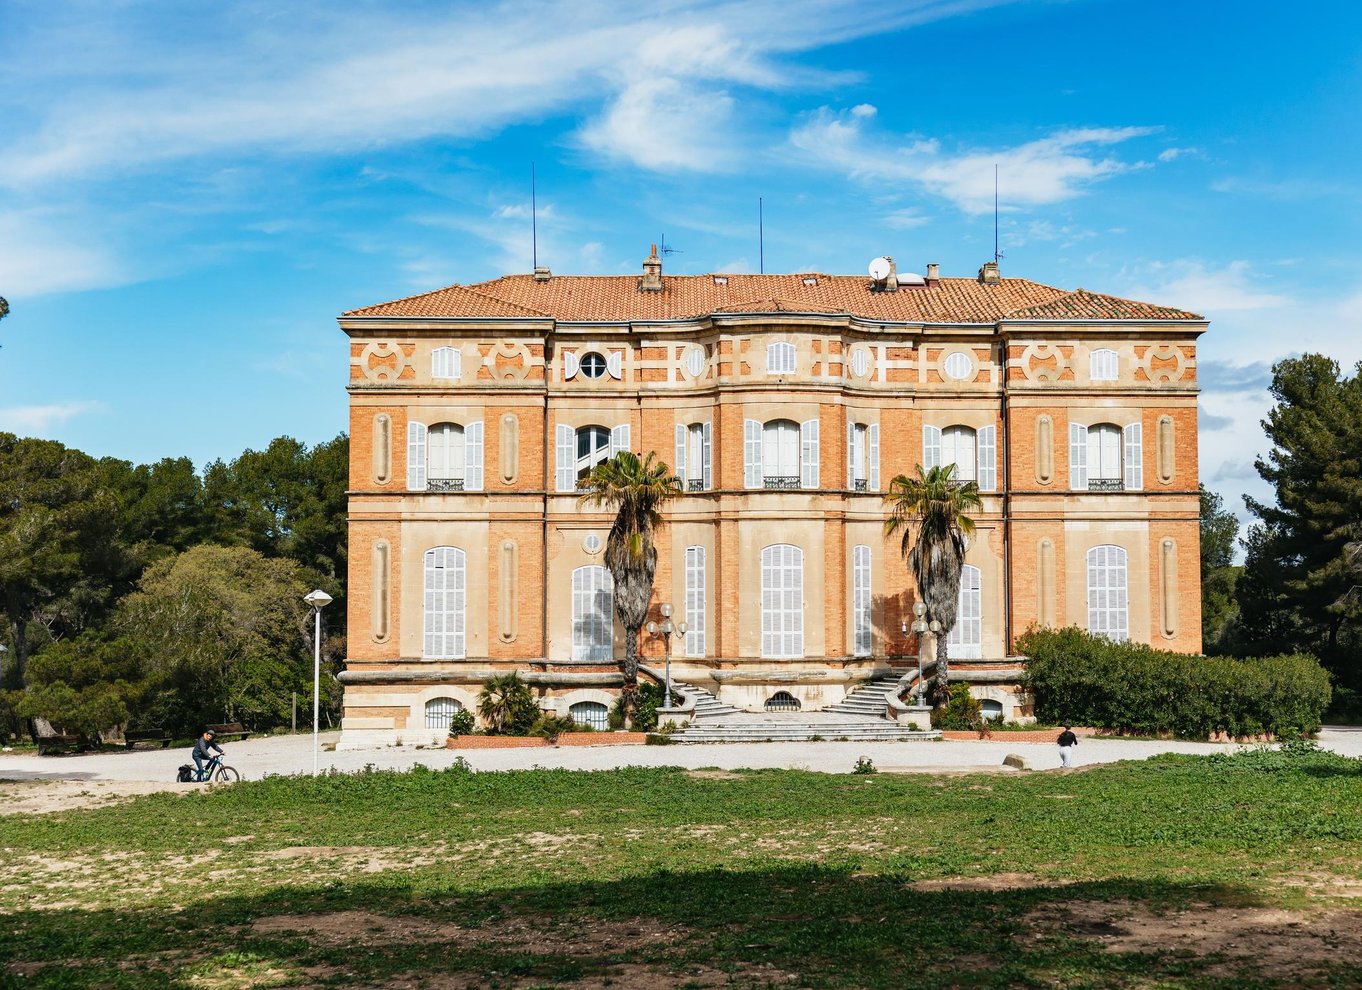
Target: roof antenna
(761,239)
(667,249)
(534,223)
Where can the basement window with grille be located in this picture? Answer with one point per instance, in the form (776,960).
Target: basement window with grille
(783,701)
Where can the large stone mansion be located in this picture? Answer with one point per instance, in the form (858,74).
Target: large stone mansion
(786,403)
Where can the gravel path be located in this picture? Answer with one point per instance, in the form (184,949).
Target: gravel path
(293,754)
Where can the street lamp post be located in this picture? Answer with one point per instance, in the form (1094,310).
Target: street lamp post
(317,600)
(665,630)
(920,627)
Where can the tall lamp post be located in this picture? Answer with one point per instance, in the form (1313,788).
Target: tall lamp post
(665,630)
(921,626)
(317,600)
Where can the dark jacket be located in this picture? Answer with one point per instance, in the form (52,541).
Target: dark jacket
(1067,738)
(202,746)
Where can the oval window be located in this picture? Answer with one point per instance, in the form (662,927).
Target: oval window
(959,366)
(593,365)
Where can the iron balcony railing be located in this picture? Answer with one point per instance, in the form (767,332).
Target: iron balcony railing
(861,484)
(695,485)
(783,481)
(1106,485)
(444,484)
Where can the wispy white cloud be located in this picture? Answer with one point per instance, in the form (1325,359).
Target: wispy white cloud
(1191,285)
(1173,154)
(1282,189)
(38,419)
(44,251)
(1047,170)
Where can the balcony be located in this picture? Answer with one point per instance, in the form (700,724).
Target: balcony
(1106,485)
(784,482)
(695,485)
(444,484)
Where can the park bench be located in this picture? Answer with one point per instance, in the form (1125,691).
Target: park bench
(234,730)
(134,736)
(54,742)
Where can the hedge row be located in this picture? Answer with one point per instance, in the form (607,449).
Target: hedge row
(1081,679)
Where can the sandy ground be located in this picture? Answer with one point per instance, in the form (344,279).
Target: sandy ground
(30,783)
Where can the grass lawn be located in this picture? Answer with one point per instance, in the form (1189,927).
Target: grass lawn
(1223,871)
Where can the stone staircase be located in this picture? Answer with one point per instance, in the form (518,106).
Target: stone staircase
(869,700)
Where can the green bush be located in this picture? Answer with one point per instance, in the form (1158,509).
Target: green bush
(552,726)
(507,706)
(1081,679)
(462,723)
(962,713)
(650,698)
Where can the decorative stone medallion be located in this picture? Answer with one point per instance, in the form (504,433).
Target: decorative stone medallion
(510,361)
(1164,363)
(383,361)
(1043,362)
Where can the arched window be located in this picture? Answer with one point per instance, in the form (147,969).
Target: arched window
(780,453)
(860,600)
(591,713)
(782,701)
(444,604)
(1106,458)
(782,601)
(992,710)
(1103,365)
(959,446)
(1108,605)
(966,638)
(593,623)
(440,710)
(973,452)
(593,447)
(780,358)
(445,363)
(445,457)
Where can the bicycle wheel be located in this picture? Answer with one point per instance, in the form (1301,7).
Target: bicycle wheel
(226,774)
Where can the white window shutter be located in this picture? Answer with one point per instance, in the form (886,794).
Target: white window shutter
(851,455)
(619,439)
(569,365)
(1134,438)
(416,457)
(988,459)
(707,456)
(808,454)
(566,445)
(874,432)
(615,364)
(681,436)
(1078,457)
(472,453)
(751,454)
(931,447)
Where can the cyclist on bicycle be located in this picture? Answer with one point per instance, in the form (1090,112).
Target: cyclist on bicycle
(202,745)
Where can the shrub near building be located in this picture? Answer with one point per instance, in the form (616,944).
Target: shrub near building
(1078,678)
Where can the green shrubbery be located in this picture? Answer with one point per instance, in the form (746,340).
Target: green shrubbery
(962,713)
(1082,679)
(650,698)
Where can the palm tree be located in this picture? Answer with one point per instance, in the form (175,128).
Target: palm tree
(937,502)
(636,488)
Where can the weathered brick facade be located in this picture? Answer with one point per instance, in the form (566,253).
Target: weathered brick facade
(1003,368)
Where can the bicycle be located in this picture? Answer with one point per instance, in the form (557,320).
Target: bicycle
(214,770)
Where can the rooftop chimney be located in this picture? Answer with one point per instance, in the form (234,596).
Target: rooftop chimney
(542,274)
(988,275)
(652,273)
(933,275)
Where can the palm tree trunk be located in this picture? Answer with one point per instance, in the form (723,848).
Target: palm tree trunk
(942,678)
(629,668)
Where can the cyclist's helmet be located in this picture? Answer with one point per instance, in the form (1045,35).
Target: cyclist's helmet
(210,732)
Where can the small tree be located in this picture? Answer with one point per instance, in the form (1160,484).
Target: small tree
(937,503)
(636,488)
(507,705)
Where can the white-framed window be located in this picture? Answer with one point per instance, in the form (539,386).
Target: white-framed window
(782,601)
(444,603)
(694,445)
(445,457)
(780,358)
(860,600)
(593,365)
(1108,604)
(591,713)
(1106,457)
(966,638)
(1103,365)
(578,451)
(780,454)
(958,366)
(695,602)
(593,624)
(439,711)
(973,452)
(446,362)
(863,457)
(695,361)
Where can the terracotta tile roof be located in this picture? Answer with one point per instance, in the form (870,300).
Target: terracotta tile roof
(617,298)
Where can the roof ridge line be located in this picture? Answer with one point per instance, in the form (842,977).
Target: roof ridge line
(402,299)
(506,302)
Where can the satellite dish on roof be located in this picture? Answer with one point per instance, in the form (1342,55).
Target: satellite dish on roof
(880,269)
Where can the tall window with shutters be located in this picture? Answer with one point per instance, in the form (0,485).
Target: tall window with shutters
(863,457)
(973,452)
(1106,457)
(593,623)
(577,451)
(445,457)
(966,638)
(782,602)
(1108,603)
(780,454)
(695,602)
(694,446)
(860,600)
(444,603)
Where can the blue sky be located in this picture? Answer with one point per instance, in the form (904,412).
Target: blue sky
(190,193)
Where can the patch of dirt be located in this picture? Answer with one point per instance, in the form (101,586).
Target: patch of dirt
(41,797)
(1275,944)
(713,775)
(994,881)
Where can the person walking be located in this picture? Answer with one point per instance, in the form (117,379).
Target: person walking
(1067,742)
